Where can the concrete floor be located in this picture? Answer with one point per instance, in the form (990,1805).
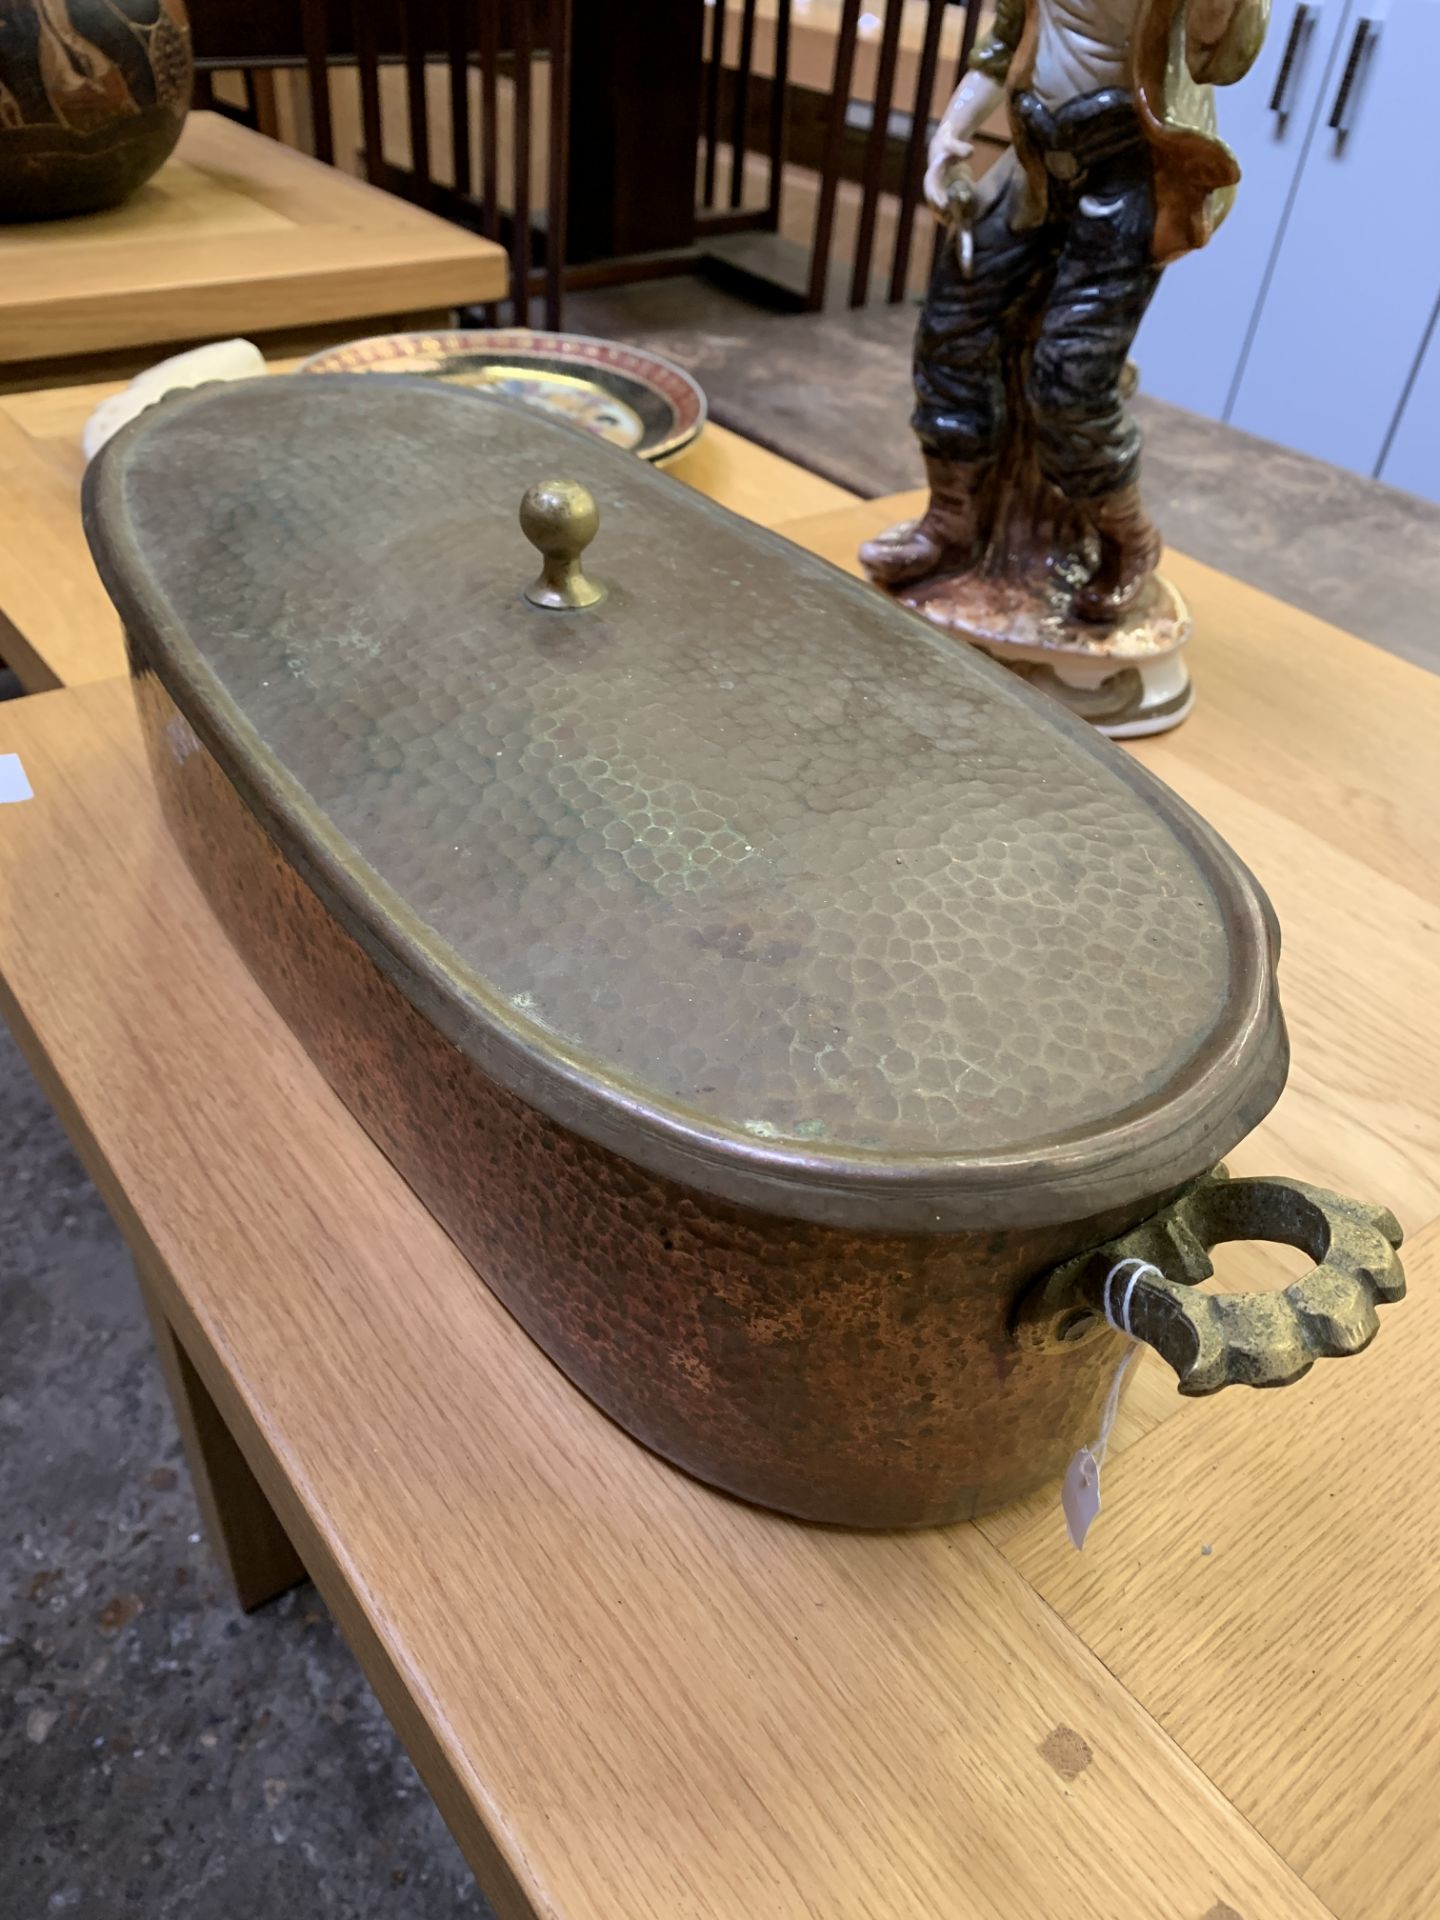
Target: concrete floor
(161,1754)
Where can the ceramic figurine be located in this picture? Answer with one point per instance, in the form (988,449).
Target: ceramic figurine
(93,95)
(1036,543)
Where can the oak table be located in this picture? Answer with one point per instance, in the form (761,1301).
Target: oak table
(634,1696)
(235,234)
(57,627)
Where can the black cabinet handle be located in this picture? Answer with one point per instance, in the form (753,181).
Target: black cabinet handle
(1299,30)
(1365,33)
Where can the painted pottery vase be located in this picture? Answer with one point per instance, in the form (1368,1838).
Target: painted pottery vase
(93,94)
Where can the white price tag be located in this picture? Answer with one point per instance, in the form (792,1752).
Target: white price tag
(1080,1489)
(1080,1496)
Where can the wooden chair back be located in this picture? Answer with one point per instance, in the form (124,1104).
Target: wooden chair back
(838,101)
(518,45)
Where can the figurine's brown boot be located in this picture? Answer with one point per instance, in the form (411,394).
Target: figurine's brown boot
(945,537)
(1130,548)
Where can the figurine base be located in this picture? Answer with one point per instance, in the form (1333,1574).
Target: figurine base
(1127,679)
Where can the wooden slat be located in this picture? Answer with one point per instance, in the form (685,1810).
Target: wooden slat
(740,116)
(713,70)
(558,159)
(779,111)
(875,152)
(521,244)
(490,129)
(417,106)
(916,151)
(367,58)
(834,144)
(490,116)
(250,110)
(314,26)
(458,17)
(260,93)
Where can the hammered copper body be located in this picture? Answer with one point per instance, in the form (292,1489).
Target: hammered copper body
(765,993)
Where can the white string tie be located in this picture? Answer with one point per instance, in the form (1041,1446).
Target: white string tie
(1144,1269)
(1080,1493)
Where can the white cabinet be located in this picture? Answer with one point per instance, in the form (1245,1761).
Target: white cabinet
(1305,319)
(1193,338)
(1412,459)
(1357,270)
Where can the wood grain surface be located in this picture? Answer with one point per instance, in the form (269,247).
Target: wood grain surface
(1306,1688)
(236,234)
(57,627)
(752,481)
(632,1696)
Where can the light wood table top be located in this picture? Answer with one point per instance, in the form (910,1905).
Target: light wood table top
(235,234)
(632,1696)
(57,626)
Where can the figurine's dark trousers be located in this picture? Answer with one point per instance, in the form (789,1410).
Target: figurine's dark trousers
(1084,277)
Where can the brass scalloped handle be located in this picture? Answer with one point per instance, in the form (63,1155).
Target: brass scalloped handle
(1143,1284)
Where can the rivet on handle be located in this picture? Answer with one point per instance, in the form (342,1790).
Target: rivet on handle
(560,519)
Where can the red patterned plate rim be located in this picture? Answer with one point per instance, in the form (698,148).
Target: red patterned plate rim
(672,383)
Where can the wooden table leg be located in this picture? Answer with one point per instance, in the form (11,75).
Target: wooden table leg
(244,1531)
(632,175)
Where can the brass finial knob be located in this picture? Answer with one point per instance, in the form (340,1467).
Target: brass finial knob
(560,518)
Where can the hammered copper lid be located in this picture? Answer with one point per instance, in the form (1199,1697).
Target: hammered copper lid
(743,871)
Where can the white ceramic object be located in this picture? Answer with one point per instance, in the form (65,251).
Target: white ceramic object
(218,360)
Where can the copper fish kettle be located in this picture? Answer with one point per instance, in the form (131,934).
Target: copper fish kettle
(825,1047)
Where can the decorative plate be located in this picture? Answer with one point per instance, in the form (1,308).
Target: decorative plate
(626,395)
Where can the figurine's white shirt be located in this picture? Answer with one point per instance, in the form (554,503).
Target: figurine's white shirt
(1082,45)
